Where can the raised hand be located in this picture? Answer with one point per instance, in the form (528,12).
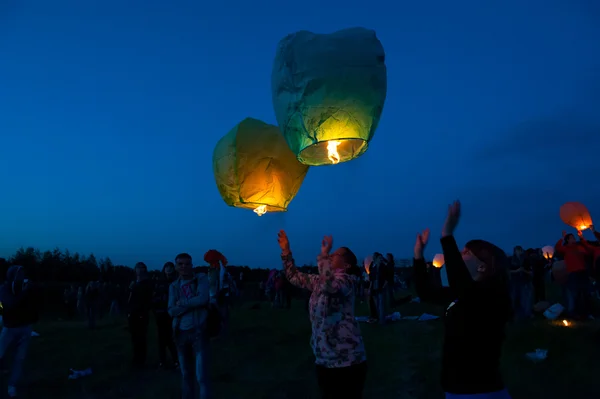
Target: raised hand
(452,219)
(284,242)
(421,243)
(326,245)
(580,233)
(564,233)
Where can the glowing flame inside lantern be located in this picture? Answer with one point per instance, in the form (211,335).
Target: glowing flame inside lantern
(565,323)
(261,210)
(332,152)
(583,227)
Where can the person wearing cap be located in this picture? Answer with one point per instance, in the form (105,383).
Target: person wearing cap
(478,309)
(20,313)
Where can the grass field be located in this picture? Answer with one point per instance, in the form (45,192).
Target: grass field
(266,355)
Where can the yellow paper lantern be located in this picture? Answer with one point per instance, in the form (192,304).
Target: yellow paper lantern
(438,260)
(255,169)
(576,215)
(548,251)
(328,93)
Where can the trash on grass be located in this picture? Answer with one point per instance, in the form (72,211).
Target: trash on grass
(75,374)
(538,355)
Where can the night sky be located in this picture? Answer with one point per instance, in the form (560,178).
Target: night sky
(110,110)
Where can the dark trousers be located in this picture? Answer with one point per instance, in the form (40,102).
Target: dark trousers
(342,382)
(164,330)
(373,306)
(138,327)
(539,289)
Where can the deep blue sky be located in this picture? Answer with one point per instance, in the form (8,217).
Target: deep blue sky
(109,112)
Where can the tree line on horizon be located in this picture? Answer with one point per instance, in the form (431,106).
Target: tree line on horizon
(66,267)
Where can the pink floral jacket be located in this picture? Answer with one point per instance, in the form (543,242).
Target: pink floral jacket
(336,339)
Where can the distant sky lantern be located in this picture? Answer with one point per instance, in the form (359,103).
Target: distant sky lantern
(576,215)
(438,260)
(328,93)
(255,169)
(548,251)
(367,263)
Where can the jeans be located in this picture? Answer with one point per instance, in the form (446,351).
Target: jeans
(91,315)
(521,294)
(164,330)
(503,394)
(192,348)
(342,382)
(381,306)
(578,296)
(17,338)
(138,328)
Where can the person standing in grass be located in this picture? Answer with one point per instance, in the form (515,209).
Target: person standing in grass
(140,304)
(189,299)
(478,309)
(20,307)
(341,360)
(164,327)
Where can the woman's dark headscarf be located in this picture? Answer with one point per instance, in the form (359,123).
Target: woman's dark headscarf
(496,259)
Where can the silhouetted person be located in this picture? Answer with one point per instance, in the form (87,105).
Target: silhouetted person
(140,303)
(20,313)
(164,322)
(189,298)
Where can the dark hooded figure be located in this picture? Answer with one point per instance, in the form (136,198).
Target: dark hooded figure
(478,309)
(20,313)
(164,322)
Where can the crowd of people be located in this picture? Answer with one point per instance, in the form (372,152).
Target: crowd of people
(486,290)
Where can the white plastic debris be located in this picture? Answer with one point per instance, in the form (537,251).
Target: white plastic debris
(538,355)
(394,316)
(75,374)
(554,311)
(427,317)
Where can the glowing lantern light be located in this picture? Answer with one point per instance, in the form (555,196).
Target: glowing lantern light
(438,260)
(565,323)
(255,169)
(548,251)
(576,215)
(328,93)
(367,263)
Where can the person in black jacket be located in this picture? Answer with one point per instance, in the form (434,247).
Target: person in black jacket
(20,313)
(478,309)
(140,303)
(164,322)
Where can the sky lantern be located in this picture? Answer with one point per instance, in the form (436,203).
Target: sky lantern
(576,215)
(255,169)
(548,251)
(367,263)
(328,93)
(438,260)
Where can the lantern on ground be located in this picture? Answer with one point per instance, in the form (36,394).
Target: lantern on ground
(548,251)
(559,272)
(576,215)
(328,93)
(255,169)
(438,260)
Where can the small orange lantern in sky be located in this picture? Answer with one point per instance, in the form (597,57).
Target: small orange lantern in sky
(367,263)
(548,251)
(438,260)
(576,215)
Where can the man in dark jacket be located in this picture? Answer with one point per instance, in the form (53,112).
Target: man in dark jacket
(20,313)
(140,303)
(164,322)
